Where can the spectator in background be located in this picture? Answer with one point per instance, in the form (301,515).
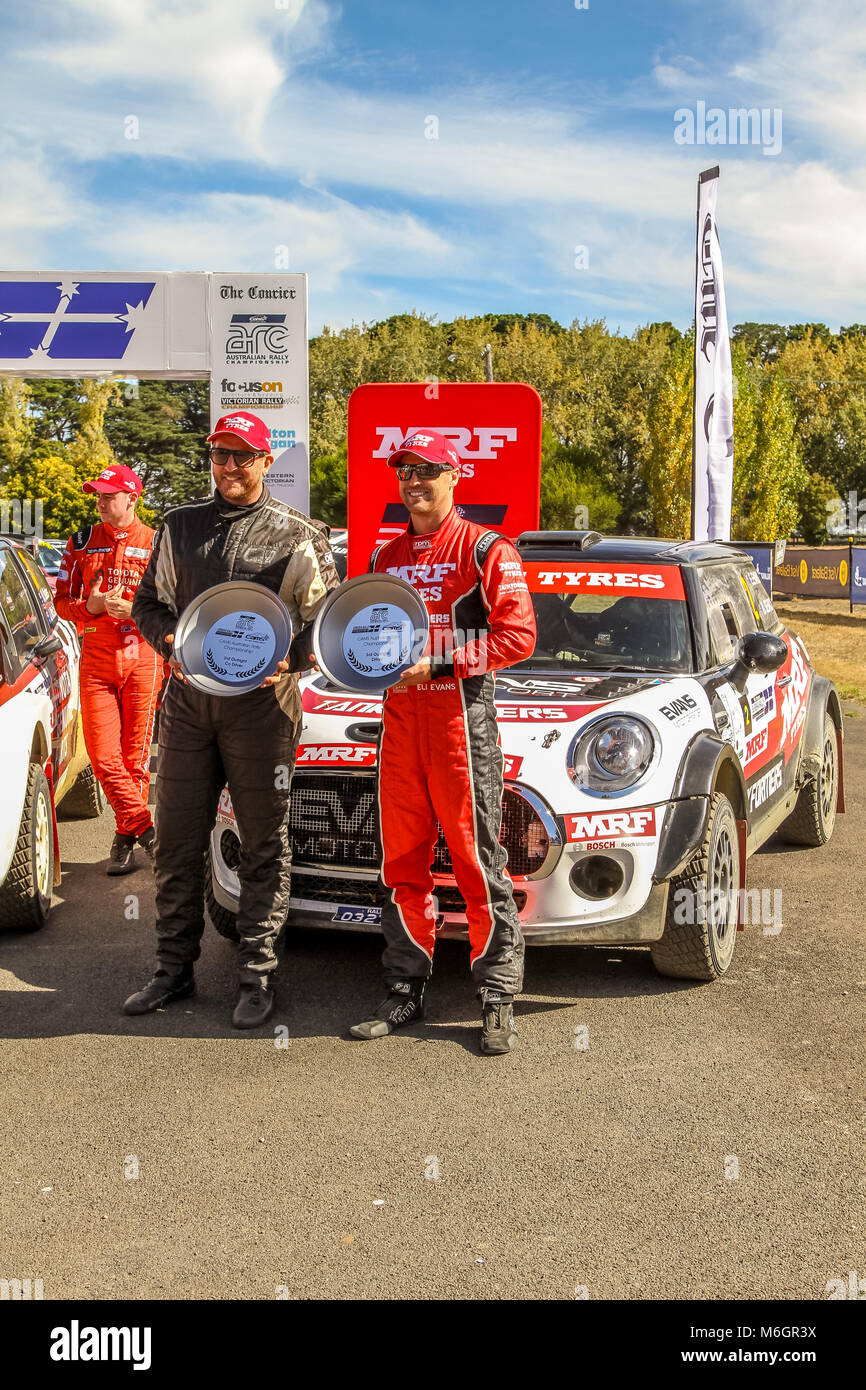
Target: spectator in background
(121,674)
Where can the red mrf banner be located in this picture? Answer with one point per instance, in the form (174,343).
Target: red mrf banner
(496,430)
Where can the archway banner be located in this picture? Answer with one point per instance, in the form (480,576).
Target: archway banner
(246,334)
(495,428)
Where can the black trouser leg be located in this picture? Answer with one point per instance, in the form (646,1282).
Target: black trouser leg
(189,780)
(257,743)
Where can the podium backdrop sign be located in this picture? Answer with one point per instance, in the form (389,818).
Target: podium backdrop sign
(259,363)
(496,430)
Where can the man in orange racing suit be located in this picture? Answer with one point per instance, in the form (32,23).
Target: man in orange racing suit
(439,754)
(121,675)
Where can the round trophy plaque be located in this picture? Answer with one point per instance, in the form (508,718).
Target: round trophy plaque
(369,631)
(231,637)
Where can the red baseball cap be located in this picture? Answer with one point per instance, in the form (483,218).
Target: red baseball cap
(246,426)
(118,478)
(429,445)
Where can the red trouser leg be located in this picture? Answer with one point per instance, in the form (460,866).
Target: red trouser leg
(102,710)
(451,789)
(139,694)
(407,826)
(465,781)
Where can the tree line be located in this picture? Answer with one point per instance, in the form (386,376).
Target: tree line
(616,435)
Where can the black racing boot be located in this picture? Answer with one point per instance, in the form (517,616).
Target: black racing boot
(404,1004)
(255,1004)
(498,1033)
(146,839)
(162,990)
(121,859)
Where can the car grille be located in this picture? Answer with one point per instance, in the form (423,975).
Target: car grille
(365,892)
(334,822)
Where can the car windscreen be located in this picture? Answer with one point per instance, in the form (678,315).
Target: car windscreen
(50,556)
(609,617)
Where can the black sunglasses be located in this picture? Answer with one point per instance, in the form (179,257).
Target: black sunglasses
(424,471)
(241,458)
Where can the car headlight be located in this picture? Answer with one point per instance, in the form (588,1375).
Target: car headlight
(612,754)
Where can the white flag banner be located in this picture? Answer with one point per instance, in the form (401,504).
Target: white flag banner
(713,443)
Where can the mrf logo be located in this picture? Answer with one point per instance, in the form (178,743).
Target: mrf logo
(473,445)
(338,754)
(427,579)
(610,825)
(71,319)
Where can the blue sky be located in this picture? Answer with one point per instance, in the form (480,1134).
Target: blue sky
(284,123)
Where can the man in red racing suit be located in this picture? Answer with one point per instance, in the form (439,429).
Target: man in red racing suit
(121,675)
(439,754)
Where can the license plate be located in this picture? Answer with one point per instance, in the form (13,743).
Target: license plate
(367,916)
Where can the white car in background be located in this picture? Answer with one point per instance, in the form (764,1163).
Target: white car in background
(42,749)
(665,726)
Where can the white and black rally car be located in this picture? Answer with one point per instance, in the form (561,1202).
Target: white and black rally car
(665,726)
(42,749)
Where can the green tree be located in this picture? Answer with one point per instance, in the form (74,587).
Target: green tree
(761,342)
(668,466)
(573,496)
(328,487)
(16,425)
(159,429)
(780,475)
(747,386)
(817,501)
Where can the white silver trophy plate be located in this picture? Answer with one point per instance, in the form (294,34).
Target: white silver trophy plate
(231,637)
(369,631)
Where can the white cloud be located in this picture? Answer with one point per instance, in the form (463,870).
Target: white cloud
(238,232)
(219,51)
(497,203)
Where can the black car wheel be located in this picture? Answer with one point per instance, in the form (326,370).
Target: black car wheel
(813,818)
(701,923)
(25,894)
(224,920)
(85,799)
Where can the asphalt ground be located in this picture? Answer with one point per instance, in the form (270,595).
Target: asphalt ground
(699,1141)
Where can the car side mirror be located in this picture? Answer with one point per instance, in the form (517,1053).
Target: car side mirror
(49,645)
(758,651)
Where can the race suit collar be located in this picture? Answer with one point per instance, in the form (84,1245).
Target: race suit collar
(430,538)
(230,511)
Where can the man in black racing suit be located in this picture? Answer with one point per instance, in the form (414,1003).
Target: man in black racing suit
(247,741)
